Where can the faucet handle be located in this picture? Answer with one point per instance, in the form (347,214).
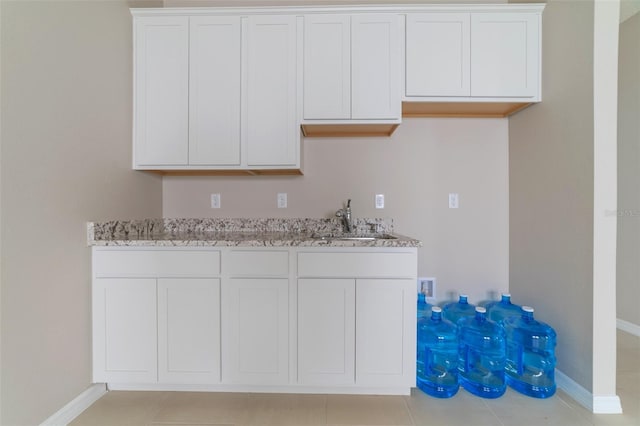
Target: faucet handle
(349,203)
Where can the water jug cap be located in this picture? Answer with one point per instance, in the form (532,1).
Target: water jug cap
(527,309)
(506,294)
(481,310)
(463,295)
(436,309)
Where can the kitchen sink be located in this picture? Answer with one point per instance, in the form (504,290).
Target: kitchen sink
(350,237)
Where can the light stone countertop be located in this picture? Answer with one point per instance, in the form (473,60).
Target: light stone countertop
(238,232)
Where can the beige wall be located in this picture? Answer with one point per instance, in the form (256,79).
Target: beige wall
(629,172)
(66,159)
(425,159)
(551,183)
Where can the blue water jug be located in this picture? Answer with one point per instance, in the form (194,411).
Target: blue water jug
(531,361)
(497,311)
(481,355)
(455,310)
(424,308)
(437,373)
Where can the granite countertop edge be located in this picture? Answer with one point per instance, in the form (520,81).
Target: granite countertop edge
(240,232)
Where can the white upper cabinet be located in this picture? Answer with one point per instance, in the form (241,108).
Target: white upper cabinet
(505,55)
(161,80)
(438,54)
(327,67)
(214,90)
(478,56)
(375,73)
(352,67)
(272,136)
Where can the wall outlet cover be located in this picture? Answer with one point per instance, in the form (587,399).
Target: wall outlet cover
(427,286)
(282,200)
(215,201)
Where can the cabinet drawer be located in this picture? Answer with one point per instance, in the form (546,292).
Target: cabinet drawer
(258,263)
(151,263)
(357,264)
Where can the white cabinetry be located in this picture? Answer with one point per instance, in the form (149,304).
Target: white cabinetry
(483,62)
(327,67)
(438,54)
(161,91)
(124,330)
(255,331)
(255,319)
(351,71)
(326,331)
(188,330)
(374,303)
(505,57)
(156,316)
(216,92)
(385,311)
(272,136)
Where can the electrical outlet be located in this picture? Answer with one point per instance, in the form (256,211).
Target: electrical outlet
(453,201)
(379,201)
(427,286)
(282,200)
(215,201)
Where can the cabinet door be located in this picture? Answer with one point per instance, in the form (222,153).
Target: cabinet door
(327,67)
(375,66)
(124,331)
(326,331)
(255,331)
(161,80)
(214,90)
(272,132)
(505,54)
(385,332)
(189,330)
(438,54)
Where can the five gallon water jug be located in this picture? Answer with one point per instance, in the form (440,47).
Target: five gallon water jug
(497,311)
(481,355)
(455,310)
(437,355)
(531,361)
(424,309)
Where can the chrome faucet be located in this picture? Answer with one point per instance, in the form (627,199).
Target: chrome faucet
(345,215)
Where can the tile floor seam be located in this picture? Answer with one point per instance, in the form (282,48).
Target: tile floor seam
(486,404)
(406,407)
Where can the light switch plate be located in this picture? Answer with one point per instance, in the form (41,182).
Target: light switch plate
(379,201)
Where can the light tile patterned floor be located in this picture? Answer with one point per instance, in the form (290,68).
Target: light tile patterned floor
(243,409)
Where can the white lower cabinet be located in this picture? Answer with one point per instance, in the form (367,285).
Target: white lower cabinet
(356,332)
(124,330)
(385,332)
(326,331)
(255,319)
(255,330)
(188,330)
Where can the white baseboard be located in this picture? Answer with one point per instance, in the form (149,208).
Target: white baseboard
(574,390)
(607,405)
(629,327)
(73,409)
(595,404)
